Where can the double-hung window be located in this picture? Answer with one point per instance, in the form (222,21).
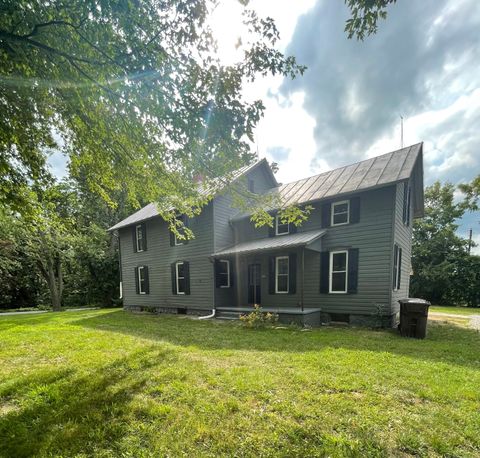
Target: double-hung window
(223,273)
(338,272)
(282,274)
(139,237)
(397,267)
(281,228)
(340,213)
(142,279)
(180,277)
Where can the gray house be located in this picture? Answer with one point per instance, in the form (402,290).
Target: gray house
(349,262)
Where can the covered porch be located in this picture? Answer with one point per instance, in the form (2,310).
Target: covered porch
(270,272)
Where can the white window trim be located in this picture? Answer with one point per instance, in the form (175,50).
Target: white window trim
(283,275)
(330,276)
(177,241)
(177,277)
(140,269)
(334,204)
(228,273)
(137,227)
(277,221)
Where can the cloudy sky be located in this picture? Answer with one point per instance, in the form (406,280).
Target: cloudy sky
(423,64)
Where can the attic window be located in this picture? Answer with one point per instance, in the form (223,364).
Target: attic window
(251,185)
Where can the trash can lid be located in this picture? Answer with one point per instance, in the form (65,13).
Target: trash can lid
(414,300)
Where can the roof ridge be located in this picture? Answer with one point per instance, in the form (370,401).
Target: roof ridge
(355,163)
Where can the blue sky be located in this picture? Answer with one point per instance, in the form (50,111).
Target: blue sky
(422,65)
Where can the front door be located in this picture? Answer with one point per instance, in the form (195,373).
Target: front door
(254,288)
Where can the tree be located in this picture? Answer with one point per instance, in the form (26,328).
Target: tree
(472,193)
(443,271)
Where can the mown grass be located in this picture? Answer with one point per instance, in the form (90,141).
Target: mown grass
(108,383)
(455,310)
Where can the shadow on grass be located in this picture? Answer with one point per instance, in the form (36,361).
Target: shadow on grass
(67,413)
(444,343)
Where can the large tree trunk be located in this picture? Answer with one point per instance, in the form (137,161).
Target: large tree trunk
(52,272)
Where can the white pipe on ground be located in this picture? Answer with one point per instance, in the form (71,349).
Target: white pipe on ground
(206,317)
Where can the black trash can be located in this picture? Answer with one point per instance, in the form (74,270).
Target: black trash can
(413,317)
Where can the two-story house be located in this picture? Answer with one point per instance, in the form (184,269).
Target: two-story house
(350,261)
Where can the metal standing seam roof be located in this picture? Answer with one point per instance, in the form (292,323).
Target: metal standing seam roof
(368,174)
(272,243)
(150,210)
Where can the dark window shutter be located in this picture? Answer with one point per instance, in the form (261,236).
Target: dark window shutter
(174,278)
(172,238)
(292,229)
(324,267)
(326,214)
(144,237)
(186,272)
(217,274)
(134,237)
(272,230)
(292,273)
(147,280)
(271,275)
(355,209)
(232,262)
(186,223)
(405,199)
(137,286)
(352,270)
(408,206)
(399,267)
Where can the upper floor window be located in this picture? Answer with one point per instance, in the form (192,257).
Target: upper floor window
(139,237)
(251,185)
(281,228)
(282,274)
(338,271)
(340,213)
(223,273)
(141,280)
(397,267)
(176,241)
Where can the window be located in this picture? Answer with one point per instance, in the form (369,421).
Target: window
(178,241)
(251,185)
(281,228)
(406,204)
(142,280)
(338,272)
(282,274)
(180,277)
(397,267)
(139,237)
(340,213)
(223,274)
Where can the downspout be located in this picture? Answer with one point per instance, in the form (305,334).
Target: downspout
(212,315)
(303,277)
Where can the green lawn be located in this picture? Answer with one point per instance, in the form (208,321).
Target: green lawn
(108,383)
(455,310)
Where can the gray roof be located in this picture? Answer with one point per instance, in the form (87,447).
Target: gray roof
(272,243)
(150,210)
(371,173)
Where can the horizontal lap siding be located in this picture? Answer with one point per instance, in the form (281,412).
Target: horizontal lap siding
(159,257)
(225,236)
(403,237)
(372,236)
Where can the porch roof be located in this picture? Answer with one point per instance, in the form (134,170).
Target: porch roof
(272,243)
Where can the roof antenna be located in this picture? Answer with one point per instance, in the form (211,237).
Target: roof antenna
(401,132)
